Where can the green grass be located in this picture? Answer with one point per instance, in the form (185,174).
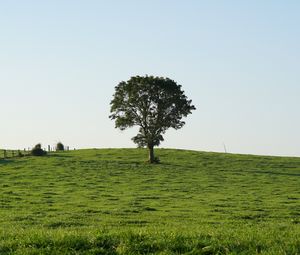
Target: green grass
(112,202)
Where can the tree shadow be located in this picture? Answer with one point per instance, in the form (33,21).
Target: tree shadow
(56,155)
(6,161)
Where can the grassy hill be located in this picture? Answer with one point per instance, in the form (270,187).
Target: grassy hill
(112,202)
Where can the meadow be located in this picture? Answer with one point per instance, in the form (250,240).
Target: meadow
(110,201)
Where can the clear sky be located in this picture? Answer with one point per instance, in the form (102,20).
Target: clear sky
(237,60)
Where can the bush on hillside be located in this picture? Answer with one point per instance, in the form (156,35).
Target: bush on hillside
(20,154)
(60,147)
(38,151)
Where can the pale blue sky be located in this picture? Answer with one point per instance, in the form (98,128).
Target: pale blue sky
(237,60)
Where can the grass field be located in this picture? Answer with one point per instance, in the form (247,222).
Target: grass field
(112,202)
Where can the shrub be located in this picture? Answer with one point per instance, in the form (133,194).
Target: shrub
(60,147)
(20,154)
(38,151)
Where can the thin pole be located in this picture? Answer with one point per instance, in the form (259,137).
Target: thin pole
(225,148)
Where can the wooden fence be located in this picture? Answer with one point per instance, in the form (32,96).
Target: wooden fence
(5,154)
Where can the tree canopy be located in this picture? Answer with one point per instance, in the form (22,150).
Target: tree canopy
(155,104)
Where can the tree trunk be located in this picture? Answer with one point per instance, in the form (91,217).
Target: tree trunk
(151,154)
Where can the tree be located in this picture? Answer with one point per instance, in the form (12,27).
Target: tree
(155,104)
